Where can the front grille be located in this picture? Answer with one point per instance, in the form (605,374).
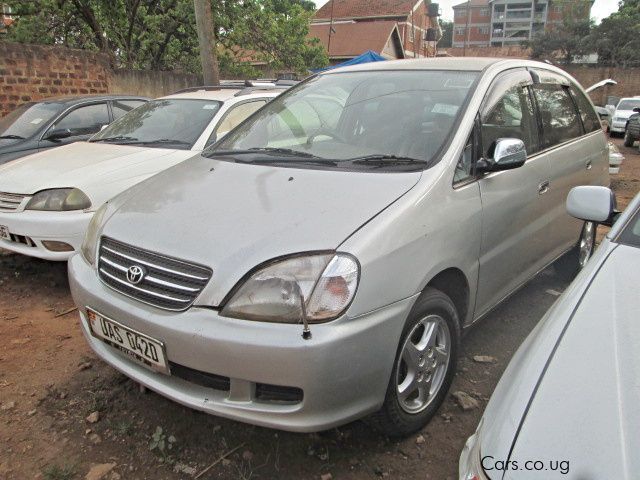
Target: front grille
(10,202)
(264,393)
(167,283)
(204,379)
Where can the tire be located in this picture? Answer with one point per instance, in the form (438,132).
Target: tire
(402,415)
(628,139)
(570,264)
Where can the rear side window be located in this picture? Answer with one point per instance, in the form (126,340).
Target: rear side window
(589,116)
(560,121)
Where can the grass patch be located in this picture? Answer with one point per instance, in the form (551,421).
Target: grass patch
(56,472)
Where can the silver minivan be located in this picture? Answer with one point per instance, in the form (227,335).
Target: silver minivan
(320,263)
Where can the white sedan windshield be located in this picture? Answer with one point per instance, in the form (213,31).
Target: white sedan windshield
(177,123)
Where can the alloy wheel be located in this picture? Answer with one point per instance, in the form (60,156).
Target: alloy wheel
(587,241)
(422,364)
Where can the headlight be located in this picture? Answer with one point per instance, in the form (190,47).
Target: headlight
(90,242)
(470,466)
(315,287)
(59,200)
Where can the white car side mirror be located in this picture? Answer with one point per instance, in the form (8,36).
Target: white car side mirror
(591,203)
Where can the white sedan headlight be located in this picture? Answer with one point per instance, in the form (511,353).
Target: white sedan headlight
(313,287)
(59,200)
(90,242)
(470,465)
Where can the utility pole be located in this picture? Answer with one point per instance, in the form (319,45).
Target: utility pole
(331,31)
(466,29)
(207,41)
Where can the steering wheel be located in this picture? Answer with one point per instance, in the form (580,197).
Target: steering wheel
(325,132)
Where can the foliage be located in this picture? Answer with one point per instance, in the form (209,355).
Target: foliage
(447,34)
(55,472)
(161,35)
(617,38)
(161,443)
(569,39)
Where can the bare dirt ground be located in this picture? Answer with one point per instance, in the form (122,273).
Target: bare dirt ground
(50,383)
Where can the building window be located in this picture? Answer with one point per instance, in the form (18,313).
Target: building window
(483,30)
(484,12)
(460,31)
(460,12)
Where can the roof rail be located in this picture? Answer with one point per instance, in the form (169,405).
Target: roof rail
(241,85)
(248,90)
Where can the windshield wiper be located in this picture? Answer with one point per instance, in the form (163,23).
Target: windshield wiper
(310,161)
(267,150)
(165,140)
(12,137)
(384,159)
(117,138)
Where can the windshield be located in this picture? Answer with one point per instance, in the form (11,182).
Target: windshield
(27,119)
(631,233)
(375,118)
(175,123)
(628,104)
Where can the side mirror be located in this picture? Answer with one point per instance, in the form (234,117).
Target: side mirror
(58,133)
(592,204)
(504,154)
(103,127)
(637,109)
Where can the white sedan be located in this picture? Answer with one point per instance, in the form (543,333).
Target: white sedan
(47,199)
(567,405)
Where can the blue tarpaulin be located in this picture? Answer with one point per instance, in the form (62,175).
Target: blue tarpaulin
(366,57)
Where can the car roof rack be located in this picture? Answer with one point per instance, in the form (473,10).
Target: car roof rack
(246,87)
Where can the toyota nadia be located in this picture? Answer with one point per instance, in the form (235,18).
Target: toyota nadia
(320,262)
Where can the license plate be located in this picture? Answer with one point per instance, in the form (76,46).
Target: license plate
(140,347)
(4,233)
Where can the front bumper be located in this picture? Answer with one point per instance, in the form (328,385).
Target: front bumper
(343,370)
(30,228)
(618,126)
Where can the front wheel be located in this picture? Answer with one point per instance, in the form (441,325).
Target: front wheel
(587,244)
(628,139)
(424,366)
(575,260)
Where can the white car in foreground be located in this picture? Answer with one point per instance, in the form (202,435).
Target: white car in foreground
(47,199)
(567,404)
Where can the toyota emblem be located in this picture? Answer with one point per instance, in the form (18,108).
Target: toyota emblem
(135,274)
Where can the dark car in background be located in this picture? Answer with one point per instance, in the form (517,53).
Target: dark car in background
(632,131)
(36,126)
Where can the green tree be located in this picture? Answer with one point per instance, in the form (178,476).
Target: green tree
(617,38)
(161,35)
(447,34)
(565,41)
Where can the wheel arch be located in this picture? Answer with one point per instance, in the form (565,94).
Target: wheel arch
(453,283)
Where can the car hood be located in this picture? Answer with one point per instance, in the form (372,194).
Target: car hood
(233,217)
(100,170)
(585,409)
(625,114)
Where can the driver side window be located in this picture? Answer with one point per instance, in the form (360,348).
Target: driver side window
(85,120)
(509,113)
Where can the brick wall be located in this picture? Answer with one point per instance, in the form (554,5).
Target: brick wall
(32,72)
(628,81)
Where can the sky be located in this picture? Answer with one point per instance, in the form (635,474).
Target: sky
(601,8)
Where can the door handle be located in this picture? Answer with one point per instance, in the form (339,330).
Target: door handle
(588,165)
(544,187)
